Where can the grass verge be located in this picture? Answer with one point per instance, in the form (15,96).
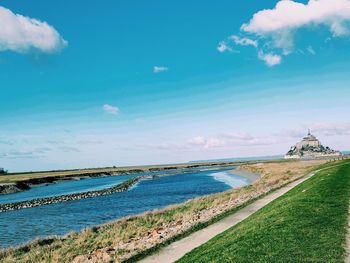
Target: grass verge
(308,224)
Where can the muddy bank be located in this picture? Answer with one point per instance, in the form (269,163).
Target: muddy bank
(11,188)
(70,197)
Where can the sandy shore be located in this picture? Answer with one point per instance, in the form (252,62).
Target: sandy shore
(252,177)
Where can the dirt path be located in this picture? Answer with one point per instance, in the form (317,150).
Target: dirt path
(179,248)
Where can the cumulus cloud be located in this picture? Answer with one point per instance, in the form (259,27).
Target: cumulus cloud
(160,69)
(289,15)
(270,59)
(22,34)
(280,23)
(272,31)
(111,109)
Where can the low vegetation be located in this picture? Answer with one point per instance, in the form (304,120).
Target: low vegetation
(308,224)
(139,235)
(50,176)
(2,171)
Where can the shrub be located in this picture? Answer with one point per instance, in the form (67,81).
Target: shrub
(2,171)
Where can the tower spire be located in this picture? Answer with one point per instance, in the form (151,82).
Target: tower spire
(309,132)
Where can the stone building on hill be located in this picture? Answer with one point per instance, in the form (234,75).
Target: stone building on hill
(311,148)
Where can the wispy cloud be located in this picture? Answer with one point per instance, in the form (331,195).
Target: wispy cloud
(22,34)
(111,109)
(68,149)
(244,41)
(25,154)
(233,139)
(160,69)
(223,46)
(311,50)
(210,142)
(326,129)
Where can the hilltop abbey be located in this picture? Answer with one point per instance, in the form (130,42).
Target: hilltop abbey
(311,148)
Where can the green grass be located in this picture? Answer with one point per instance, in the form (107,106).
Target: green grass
(308,224)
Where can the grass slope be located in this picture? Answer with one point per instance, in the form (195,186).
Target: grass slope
(308,224)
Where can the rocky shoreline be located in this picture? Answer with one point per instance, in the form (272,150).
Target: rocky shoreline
(70,197)
(9,188)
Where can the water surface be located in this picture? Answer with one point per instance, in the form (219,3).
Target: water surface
(65,187)
(23,225)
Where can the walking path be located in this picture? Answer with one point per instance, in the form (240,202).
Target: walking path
(179,248)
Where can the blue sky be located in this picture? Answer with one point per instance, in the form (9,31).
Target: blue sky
(128,82)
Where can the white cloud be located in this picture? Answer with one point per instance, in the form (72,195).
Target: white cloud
(22,34)
(280,23)
(160,69)
(111,109)
(270,59)
(222,47)
(233,139)
(207,142)
(244,41)
(272,31)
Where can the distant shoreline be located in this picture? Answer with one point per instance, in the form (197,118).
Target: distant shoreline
(13,183)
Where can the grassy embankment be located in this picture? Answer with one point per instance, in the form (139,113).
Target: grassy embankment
(142,234)
(308,224)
